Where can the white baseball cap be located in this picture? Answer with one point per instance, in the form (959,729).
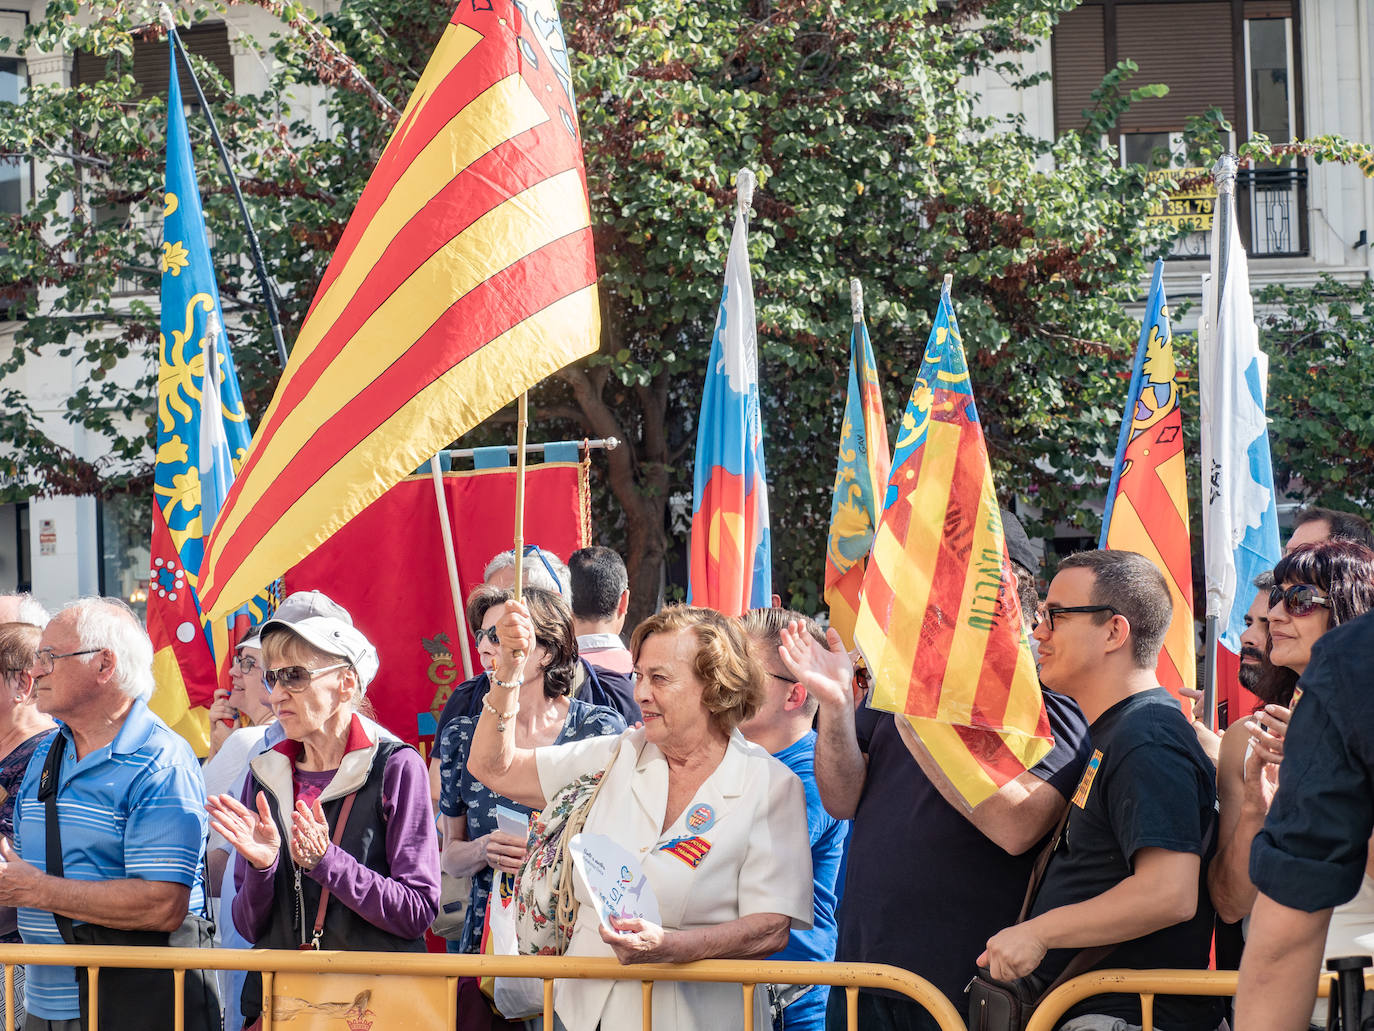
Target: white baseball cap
(295,607)
(334,636)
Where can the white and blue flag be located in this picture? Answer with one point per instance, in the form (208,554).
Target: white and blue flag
(1240,526)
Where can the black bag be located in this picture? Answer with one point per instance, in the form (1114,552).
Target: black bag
(1008,1005)
(131,999)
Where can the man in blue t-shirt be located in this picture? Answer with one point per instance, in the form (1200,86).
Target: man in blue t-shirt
(1126,884)
(783,726)
(130,805)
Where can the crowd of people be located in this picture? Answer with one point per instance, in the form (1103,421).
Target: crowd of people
(770,810)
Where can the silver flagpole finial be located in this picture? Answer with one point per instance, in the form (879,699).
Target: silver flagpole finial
(744,191)
(856,300)
(213,328)
(949,281)
(1224,173)
(164,15)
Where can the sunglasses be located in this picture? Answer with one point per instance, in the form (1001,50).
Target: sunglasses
(296,679)
(489,634)
(1299,600)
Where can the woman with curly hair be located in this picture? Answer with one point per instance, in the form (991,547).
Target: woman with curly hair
(718,825)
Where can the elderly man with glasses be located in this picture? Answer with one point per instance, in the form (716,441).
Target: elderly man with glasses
(125,852)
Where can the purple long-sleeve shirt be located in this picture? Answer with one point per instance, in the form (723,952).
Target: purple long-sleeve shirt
(404,903)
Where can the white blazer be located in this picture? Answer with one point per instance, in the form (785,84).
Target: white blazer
(742,849)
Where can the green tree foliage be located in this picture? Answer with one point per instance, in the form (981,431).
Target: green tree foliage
(859,118)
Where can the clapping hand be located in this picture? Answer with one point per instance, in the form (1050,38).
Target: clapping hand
(253,834)
(309,835)
(827,673)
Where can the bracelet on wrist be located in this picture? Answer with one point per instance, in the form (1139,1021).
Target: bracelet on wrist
(508,685)
(502,718)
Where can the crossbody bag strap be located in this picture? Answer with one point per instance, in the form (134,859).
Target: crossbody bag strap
(324,892)
(47,792)
(1042,863)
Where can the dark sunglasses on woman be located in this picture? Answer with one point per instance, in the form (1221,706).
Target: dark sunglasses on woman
(1299,600)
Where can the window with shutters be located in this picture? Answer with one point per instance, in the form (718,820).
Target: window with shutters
(148,65)
(1235,55)
(16,182)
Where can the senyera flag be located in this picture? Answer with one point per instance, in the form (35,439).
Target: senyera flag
(860,480)
(939,623)
(202,431)
(1147,502)
(464,277)
(731,555)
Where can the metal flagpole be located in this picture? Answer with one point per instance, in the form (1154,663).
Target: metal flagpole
(1224,175)
(451,559)
(522,426)
(269,293)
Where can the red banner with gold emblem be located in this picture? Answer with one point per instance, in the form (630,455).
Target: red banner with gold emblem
(386,567)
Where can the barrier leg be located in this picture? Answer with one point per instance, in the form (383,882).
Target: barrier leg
(851,1005)
(9,997)
(748,1006)
(93,978)
(646,1020)
(267,1002)
(1147,1011)
(452,983)
(179,999)
(548,1004)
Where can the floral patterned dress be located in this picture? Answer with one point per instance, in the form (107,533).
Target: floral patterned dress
(461,794)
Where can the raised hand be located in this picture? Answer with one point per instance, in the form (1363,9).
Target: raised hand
(515,632)
(252,834)
(826,673)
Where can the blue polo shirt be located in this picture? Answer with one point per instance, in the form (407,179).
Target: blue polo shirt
(828,836)
(133,809)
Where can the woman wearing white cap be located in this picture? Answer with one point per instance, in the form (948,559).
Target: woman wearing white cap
(360,821)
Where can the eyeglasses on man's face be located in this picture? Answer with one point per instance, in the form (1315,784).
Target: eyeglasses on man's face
(1050,613)
(296,679)
(1299,599)
(46,660)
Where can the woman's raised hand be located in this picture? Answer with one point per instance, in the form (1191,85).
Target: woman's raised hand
(826,672)
(515,634)
(253,834)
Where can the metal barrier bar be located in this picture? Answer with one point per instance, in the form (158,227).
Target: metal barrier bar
(1148,984)
(850,976)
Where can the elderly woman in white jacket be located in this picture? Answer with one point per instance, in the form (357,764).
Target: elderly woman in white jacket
(718,824)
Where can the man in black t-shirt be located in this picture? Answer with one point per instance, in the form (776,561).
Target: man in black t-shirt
(1129,871)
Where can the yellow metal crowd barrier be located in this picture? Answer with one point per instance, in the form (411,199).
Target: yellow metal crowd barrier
(1147,984)
(448,968)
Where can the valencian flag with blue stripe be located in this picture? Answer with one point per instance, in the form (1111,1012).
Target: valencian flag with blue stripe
(731,557)
(202,433)
(860,480)
(464,277)
(1147,502)
(939,622)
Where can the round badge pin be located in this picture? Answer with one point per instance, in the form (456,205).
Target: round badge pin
(700,817)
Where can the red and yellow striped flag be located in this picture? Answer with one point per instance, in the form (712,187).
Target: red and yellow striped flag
(465,276)
(939,623)
(1147,502)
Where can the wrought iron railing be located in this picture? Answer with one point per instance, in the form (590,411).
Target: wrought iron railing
(1272,206)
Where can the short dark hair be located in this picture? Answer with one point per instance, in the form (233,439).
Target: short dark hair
(598,581)
(1345,526)
(1133,586)
(552,628)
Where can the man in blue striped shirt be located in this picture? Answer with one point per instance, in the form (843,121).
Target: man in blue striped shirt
(130,802)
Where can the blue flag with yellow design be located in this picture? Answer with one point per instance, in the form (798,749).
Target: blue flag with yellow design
(202,437)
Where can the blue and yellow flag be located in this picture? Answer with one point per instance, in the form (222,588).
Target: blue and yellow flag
(1147,502)
(202,436)
(860,478)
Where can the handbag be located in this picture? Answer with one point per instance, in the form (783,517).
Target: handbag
(130,1000)
(546,907)
(454,895)
(1008,1005)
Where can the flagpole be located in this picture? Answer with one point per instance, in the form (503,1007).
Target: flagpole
(451,559)
(269,294)
(1224,175)
(522,425)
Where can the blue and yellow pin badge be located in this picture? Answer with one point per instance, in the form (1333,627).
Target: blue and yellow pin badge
(690,850)
(701,817)
(1085,784)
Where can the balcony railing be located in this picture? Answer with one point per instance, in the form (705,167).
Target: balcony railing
(1272,206)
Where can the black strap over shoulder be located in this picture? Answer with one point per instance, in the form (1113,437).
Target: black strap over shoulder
(47,793)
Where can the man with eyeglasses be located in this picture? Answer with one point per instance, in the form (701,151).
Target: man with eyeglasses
(130,811)
(1125,885)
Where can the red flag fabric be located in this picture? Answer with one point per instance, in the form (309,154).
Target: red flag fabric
(386,567)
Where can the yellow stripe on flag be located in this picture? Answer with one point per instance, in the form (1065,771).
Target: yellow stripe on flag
(169,701)
(458,395)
